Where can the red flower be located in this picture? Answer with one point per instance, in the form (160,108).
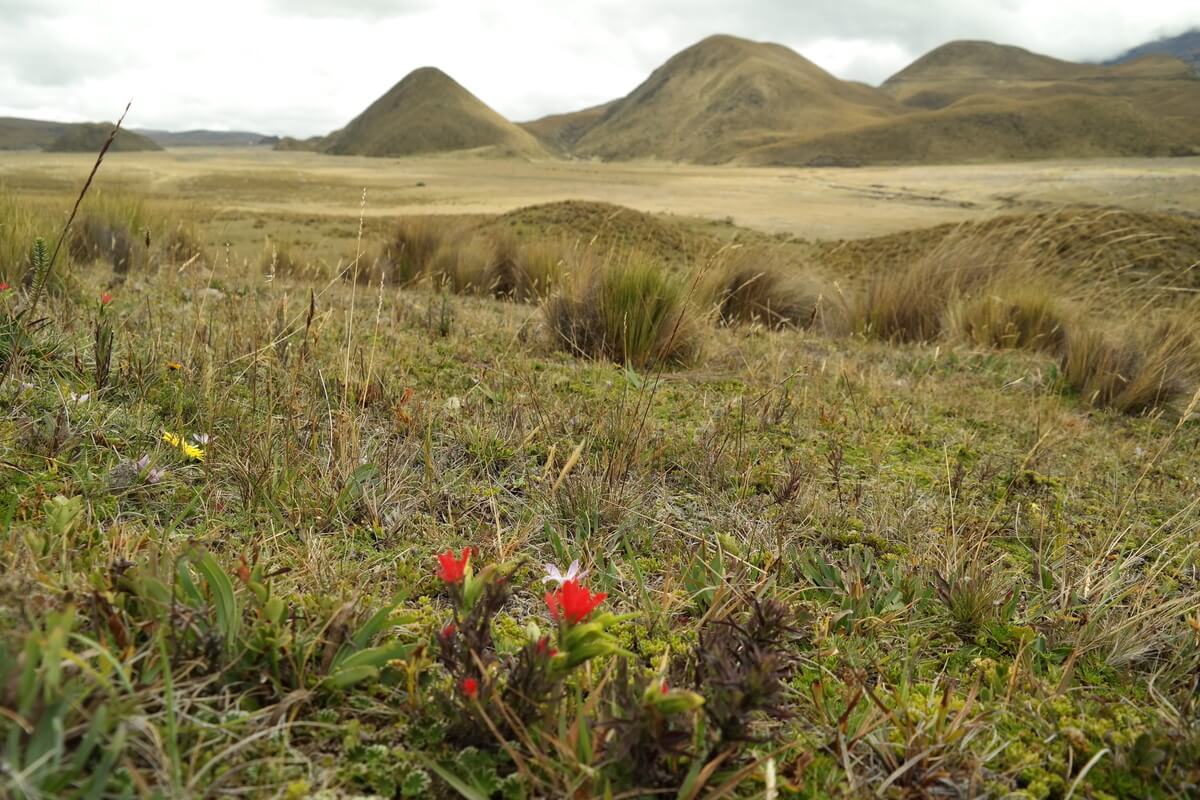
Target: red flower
(665,688)
(573,602)
(470,688)
(543,647)
(105,299)
(3,286)
(453,570)
(449,630)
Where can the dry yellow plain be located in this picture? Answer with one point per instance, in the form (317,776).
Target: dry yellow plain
(811,203)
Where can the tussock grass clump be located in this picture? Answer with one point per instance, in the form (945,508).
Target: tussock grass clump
(1017,318)
(1115,370)
(96,239)
(629,310)
(530,272)
(463,265)
(755,287)
(413,247)
(181,245)
(909,304)
(277,260)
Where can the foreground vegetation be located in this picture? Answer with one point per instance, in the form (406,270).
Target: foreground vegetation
(281,531)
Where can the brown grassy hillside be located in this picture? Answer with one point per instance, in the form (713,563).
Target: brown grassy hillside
(605,227)
(90,137)
(1156,85)
(1110,251)
(430,112)
(28,134)
(992,129)
(707,103)
(560,132)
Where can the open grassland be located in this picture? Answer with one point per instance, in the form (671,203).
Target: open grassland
(910,516)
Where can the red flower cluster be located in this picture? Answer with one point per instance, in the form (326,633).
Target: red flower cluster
(453,570)
(105,299)
(470,688)
(573,602)
(3,286)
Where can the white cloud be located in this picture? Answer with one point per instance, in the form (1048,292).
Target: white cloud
(303,67)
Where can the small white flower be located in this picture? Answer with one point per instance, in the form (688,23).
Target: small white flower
(200,438)
(155,475)
(142,463)
(453,405)
(80,398)
(554,575)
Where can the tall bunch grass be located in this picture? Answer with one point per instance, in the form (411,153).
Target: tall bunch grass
(1117,369)
(414,245)
(627,309)
(1012,317)
(754,286)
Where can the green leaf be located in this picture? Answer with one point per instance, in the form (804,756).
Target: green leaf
(375,656)
(63,513)
(349,676)
(228,617)
(456,783)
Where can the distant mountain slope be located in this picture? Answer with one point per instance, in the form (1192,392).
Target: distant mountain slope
(1185,47)
(89,137)
(28,134)
(206,138)
(962,69)
(991,128)
(723,94)
(429,112)
(560,132)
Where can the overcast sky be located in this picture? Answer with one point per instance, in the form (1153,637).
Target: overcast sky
(303,67)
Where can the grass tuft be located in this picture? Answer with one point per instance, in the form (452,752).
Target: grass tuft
(756,287)
(627,309)
(1020,318)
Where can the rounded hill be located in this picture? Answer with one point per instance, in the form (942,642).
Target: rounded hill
(708,102)
(430,112)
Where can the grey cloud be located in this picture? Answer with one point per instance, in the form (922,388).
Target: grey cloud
(349,9)
(37,57)
(18,10)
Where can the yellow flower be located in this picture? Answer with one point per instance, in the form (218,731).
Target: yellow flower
(174,366)
(188,449)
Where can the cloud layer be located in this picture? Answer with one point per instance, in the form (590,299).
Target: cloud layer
(304,67)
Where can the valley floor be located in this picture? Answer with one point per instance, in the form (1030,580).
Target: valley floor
(807,203)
